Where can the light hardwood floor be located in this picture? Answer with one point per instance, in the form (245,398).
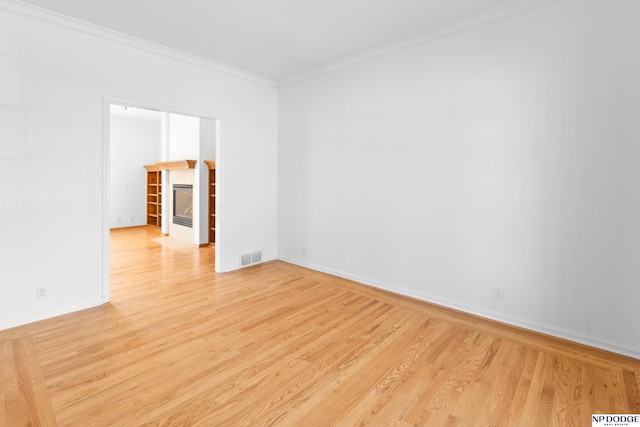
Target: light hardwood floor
(277,344)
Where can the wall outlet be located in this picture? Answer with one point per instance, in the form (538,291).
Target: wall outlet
(41,292)
(303,250)
(498,293)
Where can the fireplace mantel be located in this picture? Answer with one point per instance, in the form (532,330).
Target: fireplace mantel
(171,165)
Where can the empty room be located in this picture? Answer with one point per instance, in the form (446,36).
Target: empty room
(306,213)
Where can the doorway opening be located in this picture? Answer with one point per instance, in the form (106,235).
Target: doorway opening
(139,138)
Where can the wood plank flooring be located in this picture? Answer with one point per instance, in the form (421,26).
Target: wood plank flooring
(280,345)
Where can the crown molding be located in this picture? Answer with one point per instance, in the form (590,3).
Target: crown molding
(513,8)
(39,14)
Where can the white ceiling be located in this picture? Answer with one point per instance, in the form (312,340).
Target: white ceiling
(272,38)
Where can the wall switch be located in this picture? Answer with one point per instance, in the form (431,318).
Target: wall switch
(498,293)
(41,292)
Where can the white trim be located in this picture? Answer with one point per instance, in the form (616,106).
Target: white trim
(218,259)
(510,320)
(39,14)
(185,111)
(51,315)
(508,9)
(106,235)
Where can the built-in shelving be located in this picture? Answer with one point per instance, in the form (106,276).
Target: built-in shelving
(212,201)
(154,196)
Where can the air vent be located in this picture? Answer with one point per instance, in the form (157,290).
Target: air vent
(245,260)
(250,258)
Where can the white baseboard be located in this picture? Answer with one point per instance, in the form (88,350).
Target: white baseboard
(55,313)
(235,267)
(476,311)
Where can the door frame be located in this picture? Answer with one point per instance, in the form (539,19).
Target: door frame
(106,164)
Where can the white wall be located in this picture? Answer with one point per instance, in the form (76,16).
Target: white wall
(184,137)
(52,85)
(504,155)
(133,143)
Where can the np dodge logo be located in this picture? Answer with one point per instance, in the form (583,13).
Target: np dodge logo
(621,420)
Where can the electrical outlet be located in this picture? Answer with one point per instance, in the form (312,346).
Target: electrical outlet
(303,250)
(41,292)
(498,293)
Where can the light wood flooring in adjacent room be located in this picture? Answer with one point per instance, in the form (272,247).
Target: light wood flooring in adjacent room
(276,344)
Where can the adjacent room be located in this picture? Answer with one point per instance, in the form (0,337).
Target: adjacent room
(319,213)
(151,151)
